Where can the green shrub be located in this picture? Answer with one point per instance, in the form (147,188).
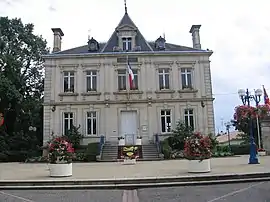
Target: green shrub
(240,149)
(166,149)
(74,136)
(92,151)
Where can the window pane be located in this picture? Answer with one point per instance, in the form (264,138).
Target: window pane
(167,81)
(168,112)
(88,84)
(70,123)
(65,84)
(65,126)
(160,71)
(89,131)
(121,82)
(121,72)
(163,125)
(166,71)
(70,115)
(66,115)
(135,82)
(162,112)
(191,120)
(94,83)
(160,82)
(94,126)
(72,84)
(186,111)
(129,45)
(189,80)
(184,82)
(186,121)
(71,73)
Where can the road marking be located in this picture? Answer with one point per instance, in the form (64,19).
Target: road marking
(18,197)
(236,192)
(130,196)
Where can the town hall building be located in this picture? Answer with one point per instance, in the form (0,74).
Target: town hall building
(88,86)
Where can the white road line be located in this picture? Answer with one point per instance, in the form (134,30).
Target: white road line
(130,196)
(17,197)
(236,192)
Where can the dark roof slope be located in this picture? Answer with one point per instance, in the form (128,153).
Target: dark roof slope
(113,41)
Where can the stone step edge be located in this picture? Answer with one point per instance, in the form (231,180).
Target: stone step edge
(131,183)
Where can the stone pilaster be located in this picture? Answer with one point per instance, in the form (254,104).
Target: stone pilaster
(265,125)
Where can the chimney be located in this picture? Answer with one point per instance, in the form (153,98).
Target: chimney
(195,31)
(57,39)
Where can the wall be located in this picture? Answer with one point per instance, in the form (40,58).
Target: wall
(107,100)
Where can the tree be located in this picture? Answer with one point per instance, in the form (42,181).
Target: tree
(180,133)
(21,76)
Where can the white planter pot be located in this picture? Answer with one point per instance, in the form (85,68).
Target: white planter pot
(60,170)
(262,153)
(197,166)
(129,162)
(121,142)
(138,141)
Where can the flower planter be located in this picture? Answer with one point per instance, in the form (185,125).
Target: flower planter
(138,141)
(197,166)
(121,142)
(129,162)
(60,170)
(262,153)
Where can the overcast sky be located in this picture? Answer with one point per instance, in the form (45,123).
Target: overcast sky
(237,31)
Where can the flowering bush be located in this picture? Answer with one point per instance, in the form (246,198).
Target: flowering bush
(60,151)
(245,112)
(130,152)
(197,147)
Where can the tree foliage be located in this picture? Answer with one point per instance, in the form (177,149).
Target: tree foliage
(21,81)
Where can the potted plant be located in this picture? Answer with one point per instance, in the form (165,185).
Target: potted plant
(121,141)
(130,154)
(139,140)
(261,152)
(198,153)
(60,157)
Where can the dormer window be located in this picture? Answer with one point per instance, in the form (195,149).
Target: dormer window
(127,43)
(93,45)
(160,43)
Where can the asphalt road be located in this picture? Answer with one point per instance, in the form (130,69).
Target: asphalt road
(248,192)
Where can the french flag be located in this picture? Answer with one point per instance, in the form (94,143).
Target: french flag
(266,98)
(130,76)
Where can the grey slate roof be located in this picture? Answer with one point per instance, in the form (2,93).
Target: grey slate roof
(113,41)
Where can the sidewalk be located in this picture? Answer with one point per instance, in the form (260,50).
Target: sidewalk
(143,169)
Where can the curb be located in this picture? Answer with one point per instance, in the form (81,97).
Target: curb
(136,183)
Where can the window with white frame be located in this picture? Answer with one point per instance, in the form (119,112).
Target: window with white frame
(69,81)
(91,80)
(122,79)
(189,118)
(68,121)
(186,77)
(135,84)
(127,43)
(166,120)
(164,78)
(91,123)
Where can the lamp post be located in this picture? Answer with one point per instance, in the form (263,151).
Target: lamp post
(228,126)
(246,97)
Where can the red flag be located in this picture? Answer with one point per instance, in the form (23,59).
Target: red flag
(266,98)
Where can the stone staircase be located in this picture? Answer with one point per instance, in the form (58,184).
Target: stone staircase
(109,152)
(150,153)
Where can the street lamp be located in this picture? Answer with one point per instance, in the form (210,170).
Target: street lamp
(246,97)
(228,125)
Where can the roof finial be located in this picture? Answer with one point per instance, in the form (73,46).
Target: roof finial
(125,1)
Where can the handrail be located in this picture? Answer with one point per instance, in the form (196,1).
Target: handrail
(101,144)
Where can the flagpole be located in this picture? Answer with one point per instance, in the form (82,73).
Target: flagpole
(127,77)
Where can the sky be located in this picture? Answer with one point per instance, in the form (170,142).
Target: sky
(237,31)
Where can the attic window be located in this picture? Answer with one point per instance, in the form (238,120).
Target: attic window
(160,43)
(127,43)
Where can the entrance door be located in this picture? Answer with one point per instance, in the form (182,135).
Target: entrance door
(128,126)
